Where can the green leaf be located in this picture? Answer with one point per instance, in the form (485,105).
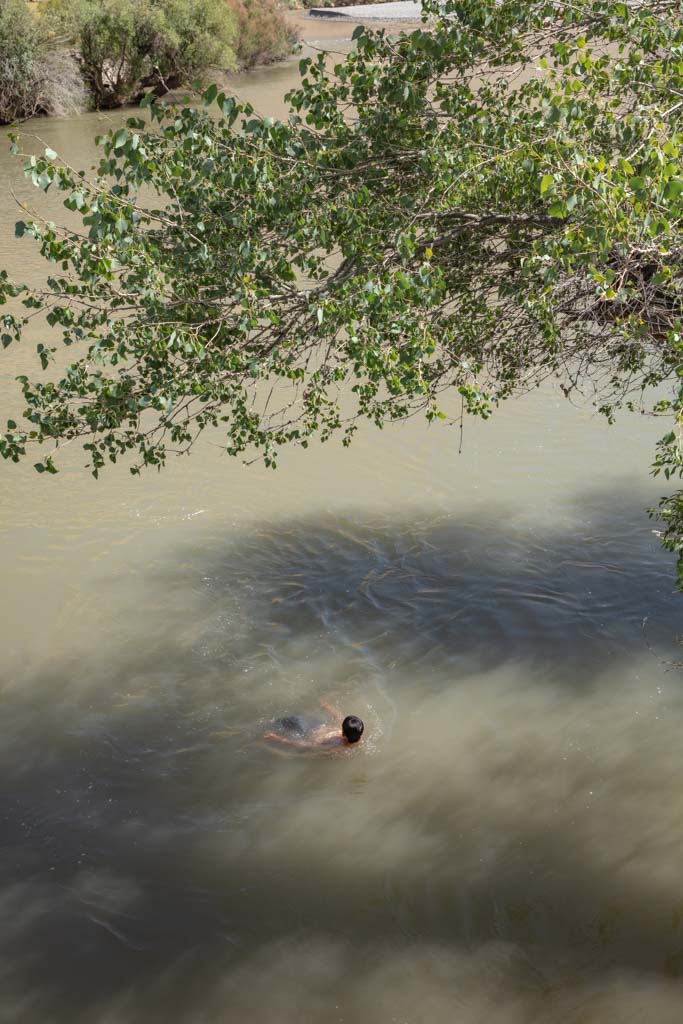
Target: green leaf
(228,106)
(673,189)
(210,95)
(50,154)
(546,181)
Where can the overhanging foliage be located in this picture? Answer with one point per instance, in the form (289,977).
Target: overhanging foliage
(476,206)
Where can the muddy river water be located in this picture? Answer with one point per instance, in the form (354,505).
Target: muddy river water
(506,844)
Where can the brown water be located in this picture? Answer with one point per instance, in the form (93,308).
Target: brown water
(506,845)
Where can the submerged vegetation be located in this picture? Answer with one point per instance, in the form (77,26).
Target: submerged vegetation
(470,209)
(106,53)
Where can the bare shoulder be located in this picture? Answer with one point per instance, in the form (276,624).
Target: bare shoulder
(326,736)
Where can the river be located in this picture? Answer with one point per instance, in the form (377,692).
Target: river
(505,845)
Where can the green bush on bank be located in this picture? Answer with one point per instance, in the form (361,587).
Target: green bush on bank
(263,34)
(124,47)
(19,46)
(33,78)
(71,54)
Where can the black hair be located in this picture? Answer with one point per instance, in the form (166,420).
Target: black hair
(352,728)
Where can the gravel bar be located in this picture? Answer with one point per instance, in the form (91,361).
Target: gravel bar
(403,11)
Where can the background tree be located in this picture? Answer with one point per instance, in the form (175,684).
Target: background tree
(34,79)
(263,33)
(19,45)
(125,46)
(476,207)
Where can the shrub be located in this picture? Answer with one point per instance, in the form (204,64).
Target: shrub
(58,87)
(19,47)
(199,35)
(125,46)
(263,34)
(32,79)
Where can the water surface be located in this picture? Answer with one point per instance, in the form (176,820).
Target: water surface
(506,844)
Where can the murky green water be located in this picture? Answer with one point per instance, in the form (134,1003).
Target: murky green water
(505,848)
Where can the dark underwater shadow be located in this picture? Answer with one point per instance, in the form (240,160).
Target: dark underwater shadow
(113,898)
(570,596)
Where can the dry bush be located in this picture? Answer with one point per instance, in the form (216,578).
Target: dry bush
(60,90)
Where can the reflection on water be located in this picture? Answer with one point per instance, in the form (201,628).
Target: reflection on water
(506,846)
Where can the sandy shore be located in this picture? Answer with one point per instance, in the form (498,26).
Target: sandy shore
(320,30)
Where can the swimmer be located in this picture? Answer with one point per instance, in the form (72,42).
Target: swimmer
(307,734)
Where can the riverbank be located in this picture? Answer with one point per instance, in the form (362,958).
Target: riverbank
(324,28)
(66,56)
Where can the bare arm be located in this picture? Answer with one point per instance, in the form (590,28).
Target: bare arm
(275,737)
(331,708)
(328,738)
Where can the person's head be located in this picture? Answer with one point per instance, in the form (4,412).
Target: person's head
(352,728)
